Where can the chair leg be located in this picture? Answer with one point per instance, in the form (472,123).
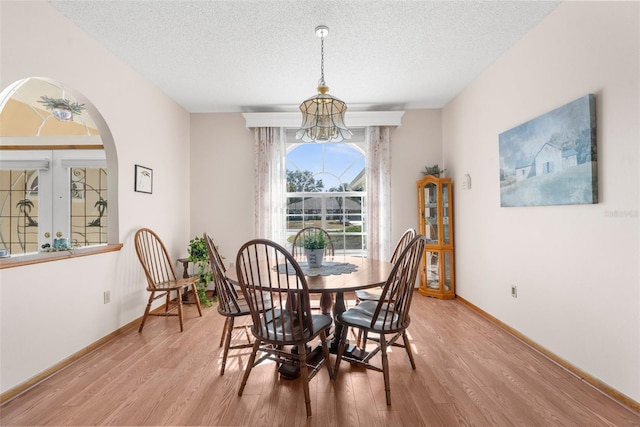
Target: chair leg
(246,331)
(341,345)
(304,373)
(325,354)
(227,343)
(224,330)
(167,302)
(362,338)
(146,312)
(385,367)
(407,347)
(197,298)
(247,371)
(179,298)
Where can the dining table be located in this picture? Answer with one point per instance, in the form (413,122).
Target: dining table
(336,276)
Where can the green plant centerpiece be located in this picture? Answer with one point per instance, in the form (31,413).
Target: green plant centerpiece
(314,244)
(199,256)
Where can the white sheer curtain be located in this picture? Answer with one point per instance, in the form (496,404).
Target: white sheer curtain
(378,165)
(270,176)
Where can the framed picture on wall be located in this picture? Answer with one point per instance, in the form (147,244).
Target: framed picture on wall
(144,179)
(551,159)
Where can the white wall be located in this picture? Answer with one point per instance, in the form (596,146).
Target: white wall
(52,310)
(222,180)
(576,266)
(223,169)
(414,145)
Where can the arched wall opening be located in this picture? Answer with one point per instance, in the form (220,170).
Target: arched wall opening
(16,132)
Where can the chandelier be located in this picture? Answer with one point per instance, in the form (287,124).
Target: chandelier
(323,114)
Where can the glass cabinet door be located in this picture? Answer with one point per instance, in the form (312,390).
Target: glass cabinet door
(445,213)
(432,266)
(447,262)
(431,212)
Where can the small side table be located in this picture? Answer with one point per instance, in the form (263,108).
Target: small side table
(185,274)
(185,267)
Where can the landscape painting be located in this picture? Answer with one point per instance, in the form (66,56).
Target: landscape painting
(551,160)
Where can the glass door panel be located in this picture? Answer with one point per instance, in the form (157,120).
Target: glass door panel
(446,267)
(433,269)
(445,214)
(431,213)
(19,213)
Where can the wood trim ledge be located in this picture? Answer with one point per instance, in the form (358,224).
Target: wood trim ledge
(19,261)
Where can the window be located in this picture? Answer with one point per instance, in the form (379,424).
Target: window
(326,188)
(47,194)
(88,206)
(19,210)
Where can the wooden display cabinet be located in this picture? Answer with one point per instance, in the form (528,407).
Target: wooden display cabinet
(435,222)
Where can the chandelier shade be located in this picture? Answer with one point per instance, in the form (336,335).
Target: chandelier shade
(323,120)
(323,114)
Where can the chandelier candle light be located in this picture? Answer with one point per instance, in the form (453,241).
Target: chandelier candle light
(323,114)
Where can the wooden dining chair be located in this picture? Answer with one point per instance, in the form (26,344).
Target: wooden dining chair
(230,304)
(298,250)
(161,277)
(388,317)
(214,255)
(278,296)
(374,293)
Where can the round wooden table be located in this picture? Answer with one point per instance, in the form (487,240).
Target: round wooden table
(368,273)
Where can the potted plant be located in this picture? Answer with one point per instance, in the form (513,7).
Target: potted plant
(433,170)
(199,256)
(314,244)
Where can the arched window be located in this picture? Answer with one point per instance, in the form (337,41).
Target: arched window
(326,187)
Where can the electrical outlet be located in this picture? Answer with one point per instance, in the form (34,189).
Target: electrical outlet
(514,291)
(107,297)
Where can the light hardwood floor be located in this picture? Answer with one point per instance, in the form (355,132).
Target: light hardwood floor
(468,372)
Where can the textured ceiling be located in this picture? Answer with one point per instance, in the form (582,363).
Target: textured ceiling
(228,56)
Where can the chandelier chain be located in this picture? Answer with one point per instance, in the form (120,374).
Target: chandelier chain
(322,114)
(322,60)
